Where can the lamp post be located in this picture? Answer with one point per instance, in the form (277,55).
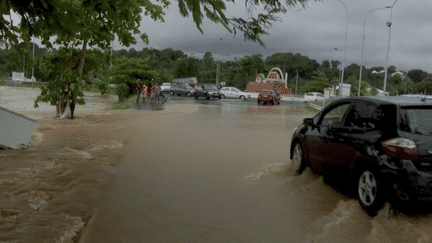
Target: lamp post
(388,47)
(340,72)
(362,60)
(343,62)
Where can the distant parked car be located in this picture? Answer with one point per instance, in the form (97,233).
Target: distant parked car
(233,92)
(165,87)
(112,86)
(314,96)
(181,89)
(268,96)
(208,91)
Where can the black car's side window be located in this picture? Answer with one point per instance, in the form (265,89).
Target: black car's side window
(360,116)
(334,116)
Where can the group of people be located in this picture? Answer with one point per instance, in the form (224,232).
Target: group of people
(148,90)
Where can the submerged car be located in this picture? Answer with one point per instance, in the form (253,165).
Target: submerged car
(268,96)
(381,144)
(165,87)
(208,91)
(181,89)
(233,92)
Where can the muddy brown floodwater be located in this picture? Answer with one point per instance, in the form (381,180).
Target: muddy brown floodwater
(216,171)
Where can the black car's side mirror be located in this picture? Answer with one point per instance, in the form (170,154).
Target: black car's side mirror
(308,121)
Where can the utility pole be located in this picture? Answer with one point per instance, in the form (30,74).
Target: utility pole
(32,77)
(217,74)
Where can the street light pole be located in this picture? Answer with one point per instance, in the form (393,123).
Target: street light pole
(340,72)
(32,77)
(388,47)
(346,37)
(362,60)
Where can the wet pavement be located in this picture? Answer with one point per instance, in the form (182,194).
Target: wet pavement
(193,171)
(219,171)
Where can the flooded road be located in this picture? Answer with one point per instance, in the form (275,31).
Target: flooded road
(203,172)
(196,171)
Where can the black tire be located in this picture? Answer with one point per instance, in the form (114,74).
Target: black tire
(272,102)
(189,94)
(370,190)
(258,102)
(220,97)
(196,96)
(207,97)
(223,96)
(172,93)
(242,97)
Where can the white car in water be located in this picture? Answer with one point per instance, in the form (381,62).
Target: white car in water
(314,96)
(165,87)
(233,92)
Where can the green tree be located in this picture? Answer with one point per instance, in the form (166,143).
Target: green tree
(128,70)
(318,84)
(406,86)
(353,80)
(417,75)
(424,86)
(186,67)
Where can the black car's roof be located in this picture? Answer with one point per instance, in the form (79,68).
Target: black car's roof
(395,100)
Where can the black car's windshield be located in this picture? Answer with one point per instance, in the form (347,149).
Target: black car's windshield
(210,87)
(417,120)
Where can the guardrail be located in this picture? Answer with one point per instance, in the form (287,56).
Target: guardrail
(315,106)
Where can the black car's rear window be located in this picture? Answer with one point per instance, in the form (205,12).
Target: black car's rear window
(417,120)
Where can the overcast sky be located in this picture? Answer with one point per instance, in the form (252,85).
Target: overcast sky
(314,32)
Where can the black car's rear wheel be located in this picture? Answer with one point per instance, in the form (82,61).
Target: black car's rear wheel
(299,163)
(370,190)
(196,96)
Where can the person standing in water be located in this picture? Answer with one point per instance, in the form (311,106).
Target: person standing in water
(139,89)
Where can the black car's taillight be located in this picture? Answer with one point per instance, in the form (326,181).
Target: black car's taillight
(400,148)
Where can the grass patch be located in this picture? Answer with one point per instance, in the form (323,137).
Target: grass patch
(309,108)
(96,90)
(126,104)
(21,85)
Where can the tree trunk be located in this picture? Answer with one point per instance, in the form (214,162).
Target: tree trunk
(80,72)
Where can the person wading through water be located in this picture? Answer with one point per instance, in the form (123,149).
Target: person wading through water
(152,93)
(139,89)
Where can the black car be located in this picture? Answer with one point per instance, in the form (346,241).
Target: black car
(181,89)
(382,144)
(208,91)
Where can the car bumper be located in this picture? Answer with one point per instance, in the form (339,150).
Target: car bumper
(410,183)
(215,95)
(266,99)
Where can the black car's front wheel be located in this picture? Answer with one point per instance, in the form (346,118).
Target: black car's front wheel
(299,164)
(196,96)
(370,191)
